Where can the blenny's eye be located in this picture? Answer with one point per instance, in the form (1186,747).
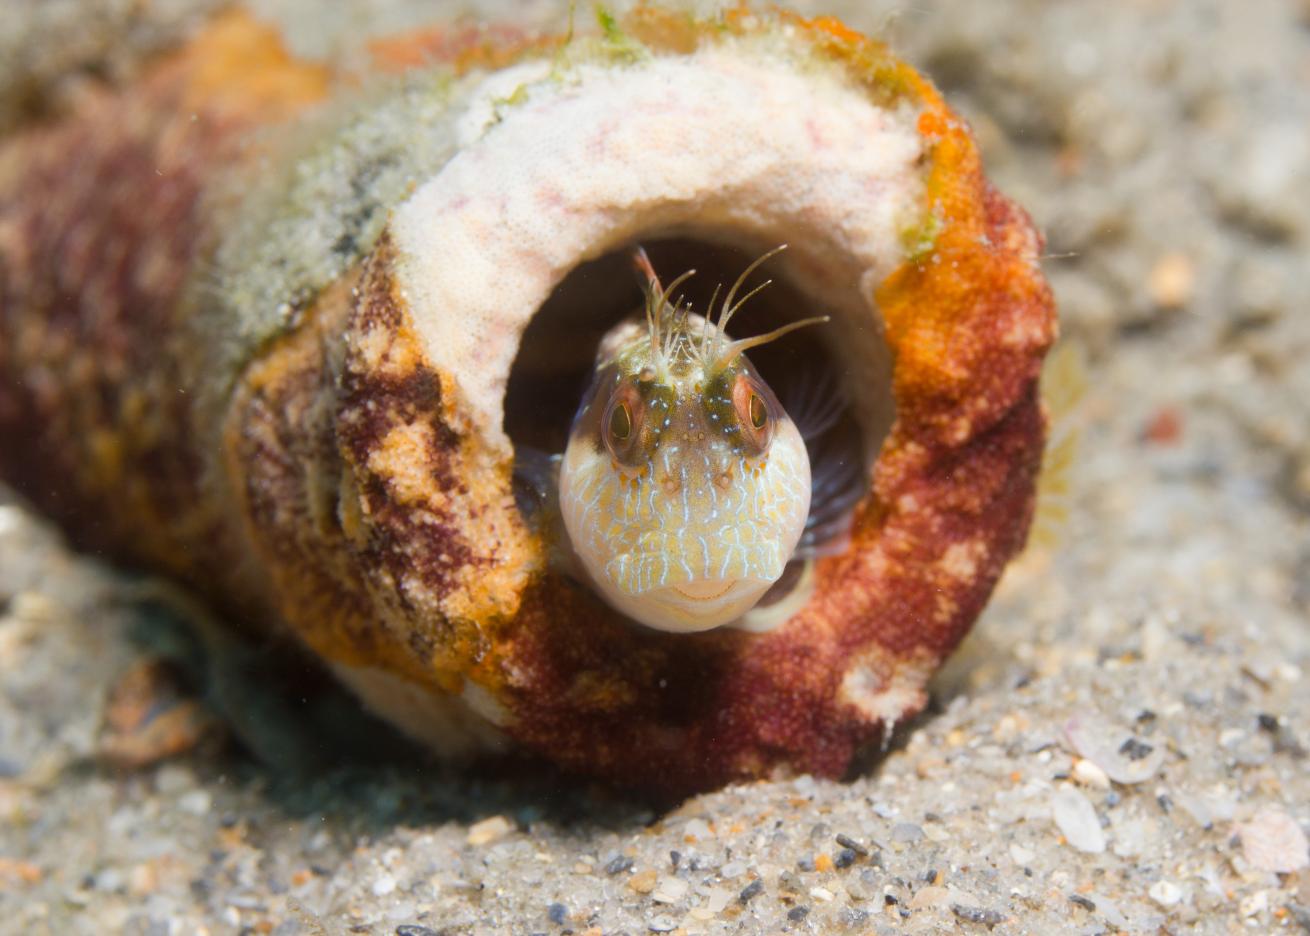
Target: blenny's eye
(620,422)
(621,425)
(757,413)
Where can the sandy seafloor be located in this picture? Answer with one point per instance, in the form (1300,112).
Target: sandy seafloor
(1159,635)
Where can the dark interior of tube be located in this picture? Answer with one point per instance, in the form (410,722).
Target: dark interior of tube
(555,360)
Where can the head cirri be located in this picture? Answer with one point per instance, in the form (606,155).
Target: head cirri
(685,487)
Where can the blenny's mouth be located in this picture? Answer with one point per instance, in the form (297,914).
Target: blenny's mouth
(711,590)
(707,603)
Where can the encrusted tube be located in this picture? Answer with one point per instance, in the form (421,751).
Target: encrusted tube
(265,328)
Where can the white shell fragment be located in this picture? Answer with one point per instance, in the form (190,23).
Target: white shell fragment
(1274,841)
(1165,893)
(1077,820)
(1122,756)
(489,830)
(1089,774)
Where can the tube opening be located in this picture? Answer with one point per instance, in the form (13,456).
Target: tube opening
(811,370)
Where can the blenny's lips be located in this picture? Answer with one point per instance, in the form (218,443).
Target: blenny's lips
(708,590)
(706,603)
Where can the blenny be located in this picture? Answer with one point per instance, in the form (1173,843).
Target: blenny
(347,354)
(685,486)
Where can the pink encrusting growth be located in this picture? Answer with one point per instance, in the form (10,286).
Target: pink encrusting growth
(340,286)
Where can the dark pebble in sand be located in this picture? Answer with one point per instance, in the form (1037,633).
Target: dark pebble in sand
(1134,749)
(978,915)
(845,841)
(753,889)
(619,865)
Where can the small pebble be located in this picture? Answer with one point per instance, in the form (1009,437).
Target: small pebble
(822,894)
(670,890)
(489,830)
(1085,903)
(643,882)
(619,865)
(927,897)
(384,885)
(413,929)
(789,883)
(907,833)
(753,889)
(1274,841)
(661,924)
(1077,820)
(1171,281)
(979,915)
(806,863)
(845,841)
(697,828)
(1254,904)
(863,886)
(718,899)
(1165,893)
(853,916)
(732,869)
(1196,807)
(557,913)
(845,858)
(796,914)
(1110,912)
(1088,774)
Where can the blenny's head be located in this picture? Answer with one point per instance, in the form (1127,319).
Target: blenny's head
(685,487)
